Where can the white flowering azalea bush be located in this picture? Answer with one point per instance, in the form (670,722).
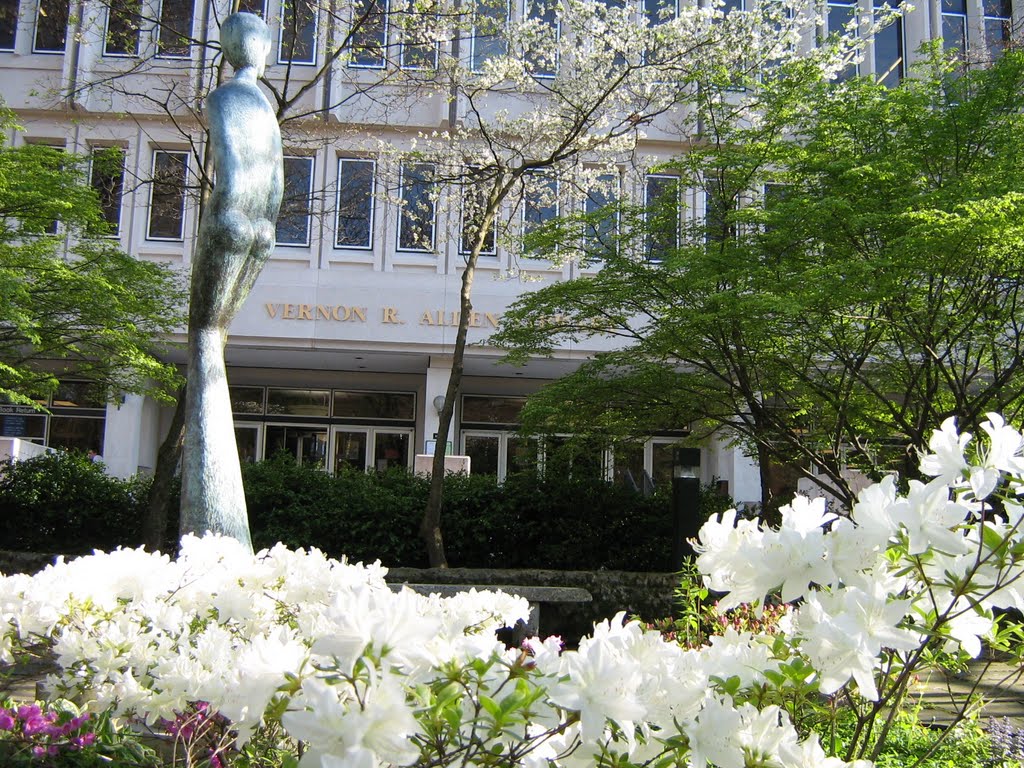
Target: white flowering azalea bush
(325,663)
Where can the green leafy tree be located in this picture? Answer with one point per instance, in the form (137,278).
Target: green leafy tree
(855,277)
(71,302)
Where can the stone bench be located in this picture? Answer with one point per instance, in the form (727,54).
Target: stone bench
(536,596)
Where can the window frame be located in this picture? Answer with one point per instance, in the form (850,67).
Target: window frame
(403,208)
(648,239)
(13,9)
(182,195)
(309,204)
(165,50)
(372,204)
(475,63)
(282,57)
(110,10)
(55,51)
(381,61)
(115,226)
(469,190)
(552,5)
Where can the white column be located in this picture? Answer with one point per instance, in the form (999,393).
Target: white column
(438,374)
(131,436)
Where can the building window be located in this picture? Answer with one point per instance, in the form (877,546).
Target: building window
(167,196)
(284,401)
(660,11)
(306,443)
(359,449)
(123,21)
(540,201)
(294,219)
(382,406)
(842,18)
(719,213)
(298,32)
(258,7)
(499,453)
(354,227)
(175,34)
(601,224)
(8,24)
(474,204)
(416,215)
(107,178)
(954,26)
(541,56)
(369,37)
(490,23)
(998,15)
(888,47)
(51,26)
(661,215)
(75,420)
(419,41)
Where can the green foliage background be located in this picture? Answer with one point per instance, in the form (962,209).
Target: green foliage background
(63,503)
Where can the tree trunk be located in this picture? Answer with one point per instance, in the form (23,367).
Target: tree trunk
(154,524)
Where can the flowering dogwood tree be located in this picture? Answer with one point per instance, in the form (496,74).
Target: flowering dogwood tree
(361,675)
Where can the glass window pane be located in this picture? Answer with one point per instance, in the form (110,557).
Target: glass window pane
(521,455)
(490,23)
(175,28)
(374,405)
(492,410)
(293,221)
(602,225)
(298,402)
(247,440)
(662,461)
(483,454)
(307,444)
(298,32)
(662,211)
(842,19)
(954,33)
(123,22)
(659,11)
(8,24)
(542,56)
(246,399)
(889,67)
(419,46)
(391,450)
(540,204)
(78,394)
(350,451)
(167,196)
(629,465)
(52,26)
(369,33)
(416,216)
(474,202)
(355,203)
(997,37)
(259,7)
(107,178)
(76,434)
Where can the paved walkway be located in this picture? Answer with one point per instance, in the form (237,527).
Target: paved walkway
(998,685)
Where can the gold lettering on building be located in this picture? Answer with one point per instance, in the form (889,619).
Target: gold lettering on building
(337,312)
(390,315)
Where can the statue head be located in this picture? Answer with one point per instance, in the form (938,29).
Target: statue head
(245,40)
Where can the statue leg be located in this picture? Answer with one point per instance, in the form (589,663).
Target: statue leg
(212,496)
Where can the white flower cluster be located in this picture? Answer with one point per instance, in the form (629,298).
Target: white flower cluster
(898,570)
(364,676)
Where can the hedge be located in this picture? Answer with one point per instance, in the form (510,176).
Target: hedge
(63,503)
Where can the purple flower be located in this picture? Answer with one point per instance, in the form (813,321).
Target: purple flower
(26,711)
(6,720)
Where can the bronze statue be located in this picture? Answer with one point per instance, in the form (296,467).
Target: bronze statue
(236,237)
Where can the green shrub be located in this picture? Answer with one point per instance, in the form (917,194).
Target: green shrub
(63,502)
